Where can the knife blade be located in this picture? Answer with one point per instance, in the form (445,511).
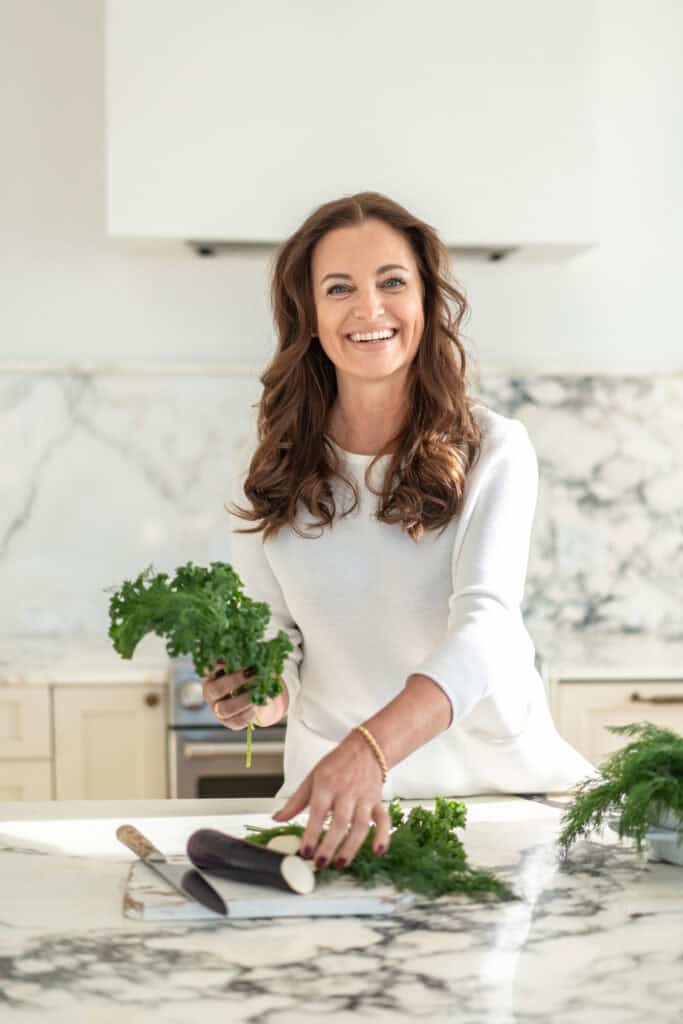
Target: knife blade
(183,877)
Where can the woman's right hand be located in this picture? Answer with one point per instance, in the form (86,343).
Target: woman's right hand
(235,710)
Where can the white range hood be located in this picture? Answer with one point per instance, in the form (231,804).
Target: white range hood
(227,124)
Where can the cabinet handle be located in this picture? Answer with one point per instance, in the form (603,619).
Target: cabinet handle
(668,699)
(152,699)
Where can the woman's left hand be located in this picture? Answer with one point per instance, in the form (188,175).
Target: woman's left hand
(348,783)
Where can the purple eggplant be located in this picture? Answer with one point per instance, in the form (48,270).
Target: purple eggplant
(220,854)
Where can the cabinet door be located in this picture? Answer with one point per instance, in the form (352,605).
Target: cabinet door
(110,742)
(25,722)
(25,780)
(582,710)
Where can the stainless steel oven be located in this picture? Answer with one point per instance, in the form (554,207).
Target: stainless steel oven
(205,758)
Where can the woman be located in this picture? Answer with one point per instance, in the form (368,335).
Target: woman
(403,612)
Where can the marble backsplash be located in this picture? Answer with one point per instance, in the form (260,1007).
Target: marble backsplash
(104,473)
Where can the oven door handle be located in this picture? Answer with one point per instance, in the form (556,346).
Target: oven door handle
(197,751)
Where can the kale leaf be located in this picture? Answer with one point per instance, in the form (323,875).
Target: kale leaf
(206,614)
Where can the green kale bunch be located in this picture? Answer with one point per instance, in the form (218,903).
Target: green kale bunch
(642,780)
(204,613)
(425,855)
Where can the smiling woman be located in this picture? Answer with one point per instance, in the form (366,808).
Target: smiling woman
(359,265)
(378,314)
(411,672)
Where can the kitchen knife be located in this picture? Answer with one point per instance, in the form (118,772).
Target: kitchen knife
(183,877)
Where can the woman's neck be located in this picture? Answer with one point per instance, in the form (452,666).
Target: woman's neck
(359,441)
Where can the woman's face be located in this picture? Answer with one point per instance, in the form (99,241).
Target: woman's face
(365,278)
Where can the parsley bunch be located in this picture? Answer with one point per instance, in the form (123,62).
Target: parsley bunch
(642,779)
(424,855)
(204,613)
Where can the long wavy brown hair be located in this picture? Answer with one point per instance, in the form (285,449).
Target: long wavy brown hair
(439,439)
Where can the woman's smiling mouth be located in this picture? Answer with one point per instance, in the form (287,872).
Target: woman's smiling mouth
(372,340)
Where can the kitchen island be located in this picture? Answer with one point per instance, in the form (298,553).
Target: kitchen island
(598,937)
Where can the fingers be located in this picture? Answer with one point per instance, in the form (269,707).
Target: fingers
(363,816)
(382,835)
(297,801)
(228,696)
(338,831)
(219,684)
(237,717)
(320,804)
(346,833)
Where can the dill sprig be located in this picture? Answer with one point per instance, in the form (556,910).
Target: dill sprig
(424,855)
(206,614)
(642,780)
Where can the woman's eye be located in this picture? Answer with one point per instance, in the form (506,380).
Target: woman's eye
(399,279)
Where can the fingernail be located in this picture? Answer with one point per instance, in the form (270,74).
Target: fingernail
(380,848)
(249,672)
(307,851)
(340,862)
(321,862)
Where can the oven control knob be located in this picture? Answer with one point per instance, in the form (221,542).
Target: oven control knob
(191,694)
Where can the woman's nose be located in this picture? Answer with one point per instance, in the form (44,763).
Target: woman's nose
(369,307)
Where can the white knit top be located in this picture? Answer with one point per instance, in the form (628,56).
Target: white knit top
(365,607)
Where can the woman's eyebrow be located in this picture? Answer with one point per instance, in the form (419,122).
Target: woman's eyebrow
(380,270)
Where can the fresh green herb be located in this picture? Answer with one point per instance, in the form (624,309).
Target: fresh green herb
(204,613)
(642,780)
(424,854)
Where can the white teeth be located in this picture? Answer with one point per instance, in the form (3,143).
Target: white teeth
(375,336)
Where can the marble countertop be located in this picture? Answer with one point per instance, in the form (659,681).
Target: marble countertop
(596,937)
(596,654)
(35,659)
(43,659)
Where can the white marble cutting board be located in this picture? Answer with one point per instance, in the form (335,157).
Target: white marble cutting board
(148,897)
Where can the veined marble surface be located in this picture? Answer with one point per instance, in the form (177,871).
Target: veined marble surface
(593,938)
(599,655)
(110,471)
(80,658)
(40,659)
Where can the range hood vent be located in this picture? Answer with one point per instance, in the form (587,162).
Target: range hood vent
(489,254)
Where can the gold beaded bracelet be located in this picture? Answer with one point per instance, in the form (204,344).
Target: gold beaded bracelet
(375,749)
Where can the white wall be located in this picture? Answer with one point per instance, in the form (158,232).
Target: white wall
(70,295)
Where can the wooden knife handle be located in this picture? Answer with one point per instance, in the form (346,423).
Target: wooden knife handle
(139,844)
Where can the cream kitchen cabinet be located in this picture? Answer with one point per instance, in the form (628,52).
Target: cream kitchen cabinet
(25,780)
(582,708)
(25,743)
(110,742)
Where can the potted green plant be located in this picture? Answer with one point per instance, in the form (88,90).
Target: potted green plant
(641,794)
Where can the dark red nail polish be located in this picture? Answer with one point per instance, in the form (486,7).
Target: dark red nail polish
(306,852)
(340,862)
(249,672)
(321,862)
(380,848)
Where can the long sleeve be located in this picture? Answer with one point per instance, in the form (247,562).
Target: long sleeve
(248,559)
(486,658)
